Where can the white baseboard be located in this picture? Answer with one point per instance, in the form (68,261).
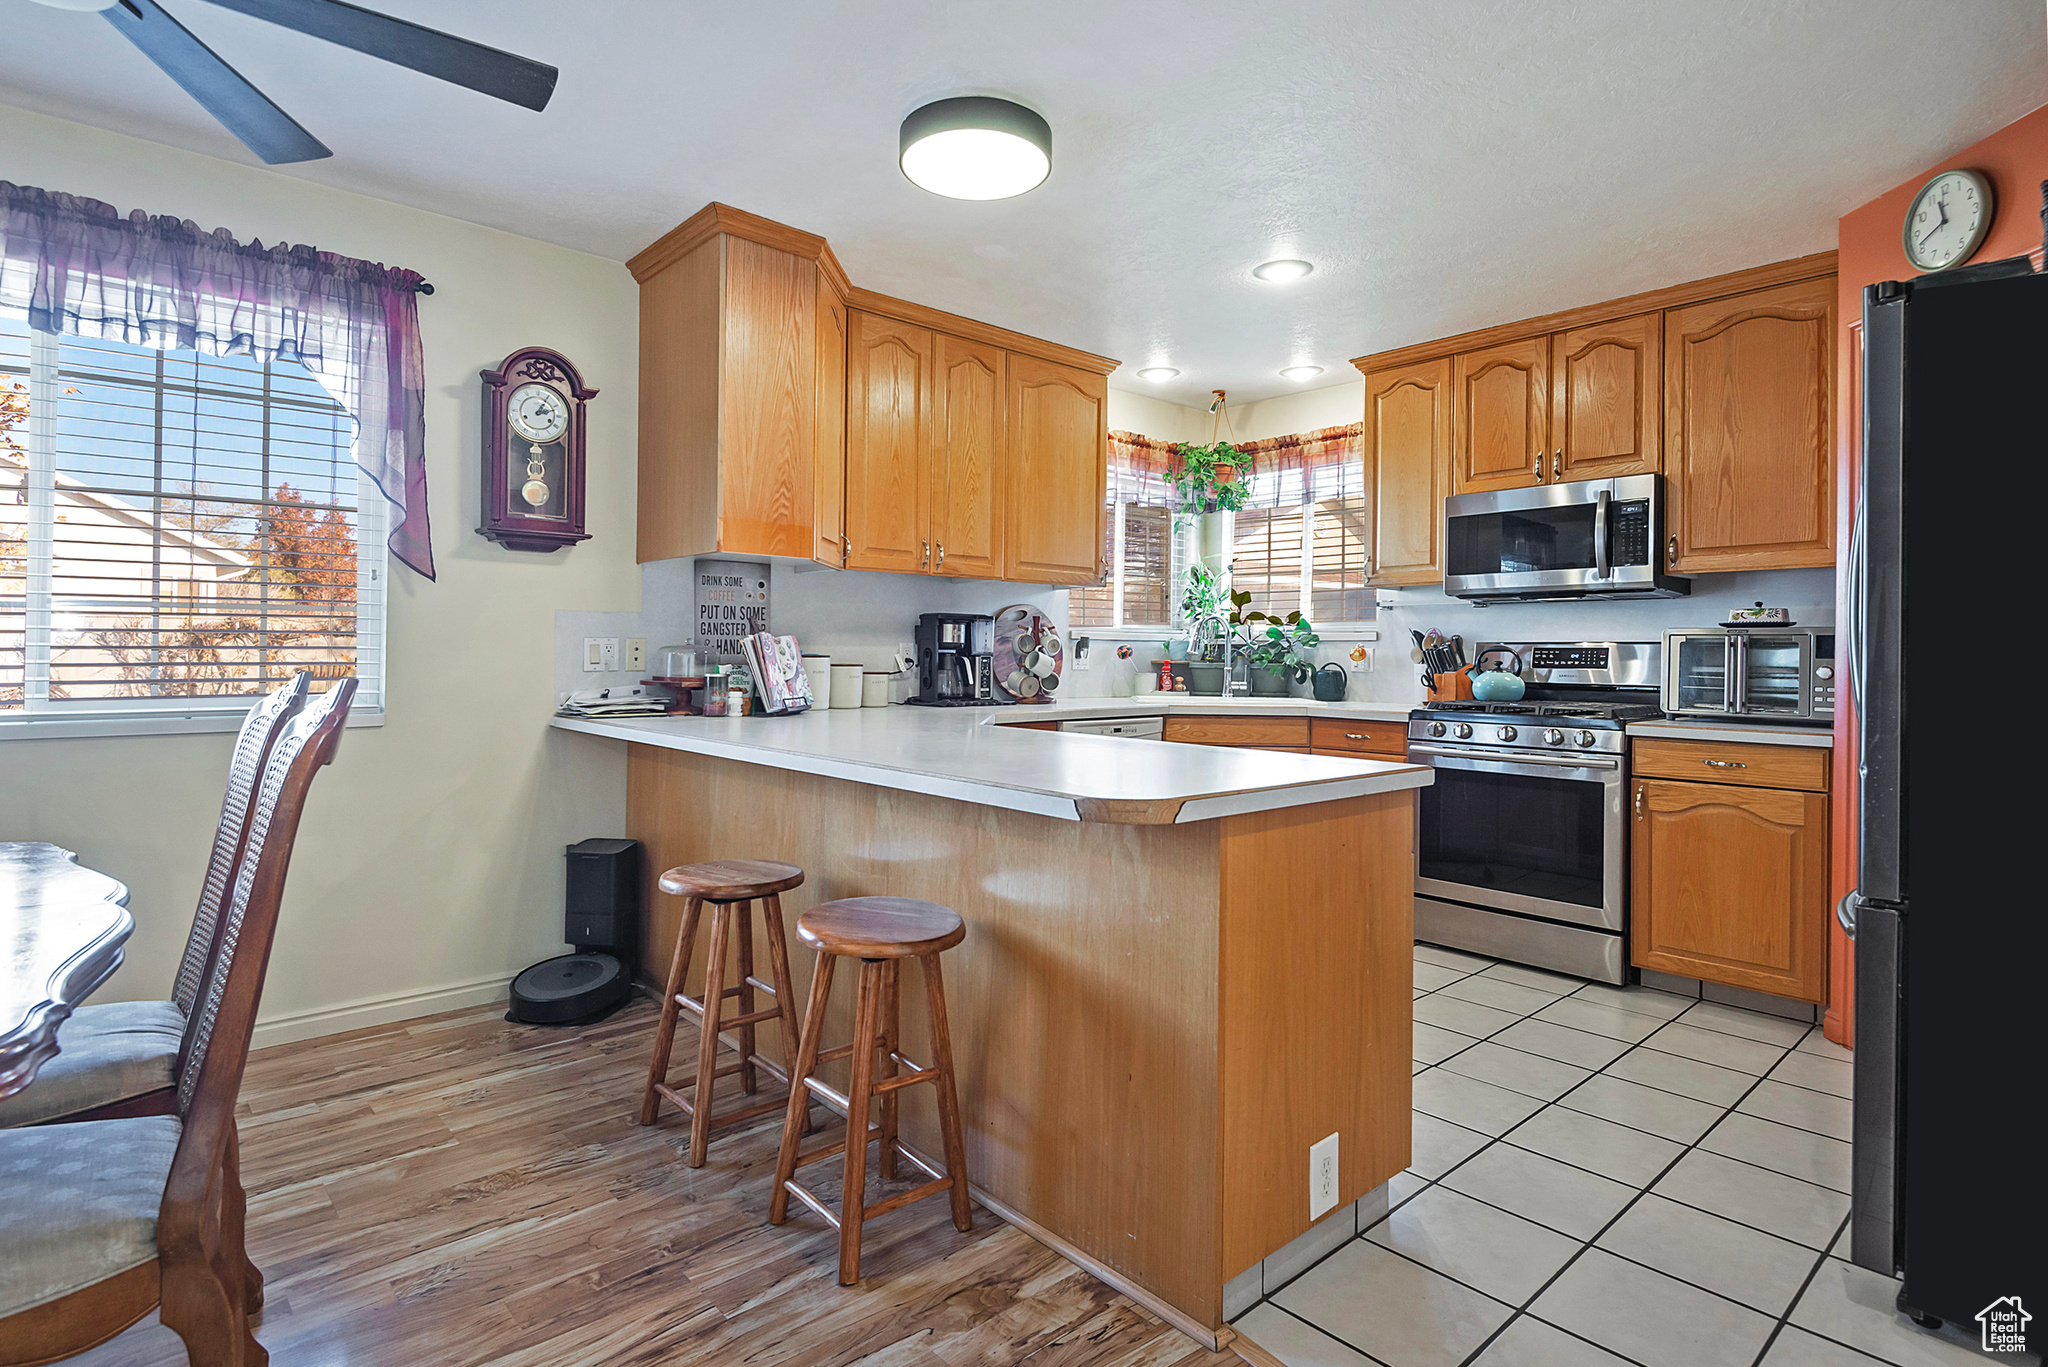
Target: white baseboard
(292,1026)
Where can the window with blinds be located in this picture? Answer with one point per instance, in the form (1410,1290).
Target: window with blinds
(178,532)
(1337,591)
(1139,592)
(1265,558)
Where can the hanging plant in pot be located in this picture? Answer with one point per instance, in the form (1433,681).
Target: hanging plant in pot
(1205,478)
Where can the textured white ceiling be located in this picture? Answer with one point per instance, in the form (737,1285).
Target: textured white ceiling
(1445,165)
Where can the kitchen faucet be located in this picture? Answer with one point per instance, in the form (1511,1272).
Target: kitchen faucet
(1214,630)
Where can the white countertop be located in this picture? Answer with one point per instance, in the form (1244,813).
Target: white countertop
(961,753)
(1750,733)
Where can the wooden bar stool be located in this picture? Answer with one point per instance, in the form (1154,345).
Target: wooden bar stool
(725,884)
(881,932)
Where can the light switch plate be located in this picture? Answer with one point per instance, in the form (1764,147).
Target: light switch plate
(1323,1183)
(593,654)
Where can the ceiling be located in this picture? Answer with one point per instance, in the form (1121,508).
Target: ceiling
(1446,166)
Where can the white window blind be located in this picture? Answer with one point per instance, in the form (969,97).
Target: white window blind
(178,533)
(1265,558)
(1337,591)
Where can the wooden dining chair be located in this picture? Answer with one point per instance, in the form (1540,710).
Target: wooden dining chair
(122,1058)
(103,1221)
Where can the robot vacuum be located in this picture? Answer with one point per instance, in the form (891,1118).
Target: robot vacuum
(574,989)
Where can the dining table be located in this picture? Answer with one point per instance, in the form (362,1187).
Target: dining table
(62,931)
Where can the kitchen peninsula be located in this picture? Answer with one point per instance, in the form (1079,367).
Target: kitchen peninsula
(1185,963)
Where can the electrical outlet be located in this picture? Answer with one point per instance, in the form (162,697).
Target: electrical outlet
(636,652)
(1322,1177)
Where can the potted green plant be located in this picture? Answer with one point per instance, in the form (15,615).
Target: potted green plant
(1205,479)
(1280,649)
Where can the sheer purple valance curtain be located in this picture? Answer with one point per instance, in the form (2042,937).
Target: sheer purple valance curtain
(72,265)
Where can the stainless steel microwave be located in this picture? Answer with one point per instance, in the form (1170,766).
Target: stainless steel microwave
(1595,538)
(1753,672)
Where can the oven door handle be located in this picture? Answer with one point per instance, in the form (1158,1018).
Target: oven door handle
(1603,567)
(1537,760)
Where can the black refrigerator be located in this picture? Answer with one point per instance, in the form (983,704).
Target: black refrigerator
(1951,978)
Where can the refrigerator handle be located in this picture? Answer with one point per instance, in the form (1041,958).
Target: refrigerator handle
(1845,912)
(1858,537)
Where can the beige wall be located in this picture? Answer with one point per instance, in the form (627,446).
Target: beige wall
(1336,405)
(429,867)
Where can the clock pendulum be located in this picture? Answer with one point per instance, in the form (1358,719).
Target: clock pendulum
(535,490)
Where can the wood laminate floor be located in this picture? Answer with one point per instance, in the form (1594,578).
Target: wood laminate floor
(459,1190)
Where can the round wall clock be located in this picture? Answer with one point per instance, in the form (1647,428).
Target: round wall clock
(1948,220)
(533,451)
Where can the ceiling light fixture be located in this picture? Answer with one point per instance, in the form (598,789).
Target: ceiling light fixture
(1280,272)
(1157,373)
(1302,372)
(975,147)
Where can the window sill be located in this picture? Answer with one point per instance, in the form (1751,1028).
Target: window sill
(1334,631)
(159,724)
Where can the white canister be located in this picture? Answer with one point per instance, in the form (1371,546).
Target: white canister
(874,689)
(1144,681)
(818,669)
(846,685)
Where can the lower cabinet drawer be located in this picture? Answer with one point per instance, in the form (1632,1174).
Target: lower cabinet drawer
(1380,738)
(1804,767)
(1260,731)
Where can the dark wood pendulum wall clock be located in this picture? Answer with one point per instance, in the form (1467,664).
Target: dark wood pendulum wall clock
(533,451)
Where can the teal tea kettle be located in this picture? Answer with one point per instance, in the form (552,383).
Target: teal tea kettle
(1496,682)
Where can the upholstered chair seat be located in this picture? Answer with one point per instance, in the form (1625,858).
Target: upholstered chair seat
(78,1204)
(105,1054)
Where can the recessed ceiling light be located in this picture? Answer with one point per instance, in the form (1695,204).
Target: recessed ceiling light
(975,147)
(1302,372)
(1279,272)
(1157,373)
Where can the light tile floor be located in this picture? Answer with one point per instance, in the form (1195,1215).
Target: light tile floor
(1605,1176)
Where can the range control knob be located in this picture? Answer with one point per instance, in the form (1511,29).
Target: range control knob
(1553,737)
(1587,739)
(1464,730)
(1507,733)
(1824,672)
(1436,728)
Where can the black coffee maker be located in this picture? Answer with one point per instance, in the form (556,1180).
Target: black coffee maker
(956,660)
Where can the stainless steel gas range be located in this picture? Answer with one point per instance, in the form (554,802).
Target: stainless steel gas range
(1522,841)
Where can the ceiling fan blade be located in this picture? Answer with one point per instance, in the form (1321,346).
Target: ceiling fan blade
(442,55)
(242,109)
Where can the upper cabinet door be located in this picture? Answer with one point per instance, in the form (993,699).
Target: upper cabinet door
(1057,473)
(1502,416)
(1407,469)
(828,491)
(1749,430)
(968,426)
(888,433)
(1607,399)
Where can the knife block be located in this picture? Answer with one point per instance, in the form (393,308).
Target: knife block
(1450,686)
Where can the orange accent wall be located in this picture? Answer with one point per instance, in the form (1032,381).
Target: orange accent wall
(2015,160)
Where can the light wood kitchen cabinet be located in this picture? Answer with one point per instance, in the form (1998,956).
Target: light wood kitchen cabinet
(967,462)
(828,519)
(1057,472)
(1501,417)
(1369,739)
(1407,452)
(1729,885)
(728,397)
(1724,386)
(888,445)
(1607,399)
(1749,430)
(786,412)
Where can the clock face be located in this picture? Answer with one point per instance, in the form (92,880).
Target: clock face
(538,413)
(1948,220)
